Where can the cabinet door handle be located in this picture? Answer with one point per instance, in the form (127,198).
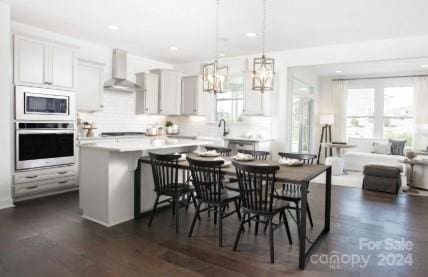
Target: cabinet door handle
(32,187)
(62,172)
(31,177)
(62,182)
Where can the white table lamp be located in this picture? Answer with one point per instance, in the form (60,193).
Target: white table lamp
(327,119)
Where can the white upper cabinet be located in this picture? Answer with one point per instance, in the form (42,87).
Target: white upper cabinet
(193,101)
(169,91)
(256,102)
(45,64)
(147,97)
(63,67)
(90,90)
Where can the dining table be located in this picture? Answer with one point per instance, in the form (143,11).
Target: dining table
(300,175)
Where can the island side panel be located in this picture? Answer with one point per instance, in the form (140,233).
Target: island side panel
(121,186)
(93,184)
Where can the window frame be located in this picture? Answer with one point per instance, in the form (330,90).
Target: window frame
(217,99)
(379,86)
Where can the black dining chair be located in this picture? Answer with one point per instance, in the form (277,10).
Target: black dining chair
(223,151)
(292,192)
(167,183)
(257,154)
(207,176)
(256,186)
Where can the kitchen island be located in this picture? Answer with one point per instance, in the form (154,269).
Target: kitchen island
(106,176)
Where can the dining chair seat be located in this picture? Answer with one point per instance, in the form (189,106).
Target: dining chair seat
(234,186)
(181,188)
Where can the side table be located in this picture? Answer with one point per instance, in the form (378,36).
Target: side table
(418,176)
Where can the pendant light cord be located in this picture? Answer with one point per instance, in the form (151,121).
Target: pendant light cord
(264,28)
(216,29)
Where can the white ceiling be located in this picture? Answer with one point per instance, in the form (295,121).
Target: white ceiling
(384,68)
(149,27)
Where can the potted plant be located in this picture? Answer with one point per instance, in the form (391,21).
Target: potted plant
(168,125)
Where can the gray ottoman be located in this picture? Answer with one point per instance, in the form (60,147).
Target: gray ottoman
(384,178)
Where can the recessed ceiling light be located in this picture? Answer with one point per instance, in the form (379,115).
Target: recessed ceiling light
(339,71)
(173,48)
(113,27)
(424,66)
(222,54)
(251,34)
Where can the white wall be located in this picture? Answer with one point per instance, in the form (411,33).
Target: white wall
(118,113)
(6,104)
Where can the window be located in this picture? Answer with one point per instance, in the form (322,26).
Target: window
(360,113)
(398,113)
(381,109)
(301,118)
(229,105)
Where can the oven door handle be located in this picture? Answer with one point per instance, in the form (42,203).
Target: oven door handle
(56,131)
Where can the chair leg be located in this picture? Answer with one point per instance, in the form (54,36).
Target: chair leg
(309,215)
(287,227)
(192,196)
(298,215)
(256,229)
(272,253)
(215,215)
(194,219)
(241,226)
(177,215)
(154,210)
(238,209)
(173,207)
(220,226)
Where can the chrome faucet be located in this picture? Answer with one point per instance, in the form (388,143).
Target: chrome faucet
(225,130)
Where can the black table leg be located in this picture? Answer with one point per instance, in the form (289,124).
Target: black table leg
(302,229)
(303,255)
(327,213)
(137,191)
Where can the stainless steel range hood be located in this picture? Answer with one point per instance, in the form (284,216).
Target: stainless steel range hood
(119,81)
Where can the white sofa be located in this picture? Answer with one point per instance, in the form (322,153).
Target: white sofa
(356,158)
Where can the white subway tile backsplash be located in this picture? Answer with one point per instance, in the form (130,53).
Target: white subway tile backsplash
(118,114)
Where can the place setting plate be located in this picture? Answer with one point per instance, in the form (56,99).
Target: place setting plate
(290,162)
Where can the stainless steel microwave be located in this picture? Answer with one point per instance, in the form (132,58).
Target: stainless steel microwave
(44,104)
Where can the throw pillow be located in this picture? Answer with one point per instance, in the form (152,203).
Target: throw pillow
(397,147)
(381,148)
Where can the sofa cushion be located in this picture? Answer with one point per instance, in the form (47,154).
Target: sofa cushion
(382,171)
(382,148)
(355,161)
(397,147)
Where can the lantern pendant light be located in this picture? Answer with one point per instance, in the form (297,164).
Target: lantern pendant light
(263,68)
(214,75)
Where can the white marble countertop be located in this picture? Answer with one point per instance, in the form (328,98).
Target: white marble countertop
(132,146)
(231,138)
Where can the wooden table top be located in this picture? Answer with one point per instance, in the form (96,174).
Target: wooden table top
(339,145)
(287,174)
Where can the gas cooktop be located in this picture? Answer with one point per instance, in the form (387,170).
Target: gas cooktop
(122,134)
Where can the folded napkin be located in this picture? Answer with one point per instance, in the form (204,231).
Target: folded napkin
(290,161)
(242,156)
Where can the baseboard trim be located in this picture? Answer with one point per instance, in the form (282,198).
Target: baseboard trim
(6,203)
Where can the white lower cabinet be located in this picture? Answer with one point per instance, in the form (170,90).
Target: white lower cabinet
(44,180)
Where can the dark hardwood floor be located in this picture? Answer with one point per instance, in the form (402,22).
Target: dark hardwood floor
(47,237)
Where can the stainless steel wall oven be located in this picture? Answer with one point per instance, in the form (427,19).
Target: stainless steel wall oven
(44,144)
